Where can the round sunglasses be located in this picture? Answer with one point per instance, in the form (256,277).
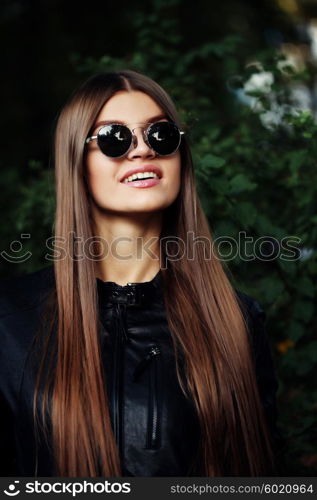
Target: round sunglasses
(116,140)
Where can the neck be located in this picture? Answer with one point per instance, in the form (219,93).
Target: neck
(130,246)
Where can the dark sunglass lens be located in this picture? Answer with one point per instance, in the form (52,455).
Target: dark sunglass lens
(164,138)
(114,140)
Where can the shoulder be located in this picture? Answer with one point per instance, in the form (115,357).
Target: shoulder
(250,307)
(25,291)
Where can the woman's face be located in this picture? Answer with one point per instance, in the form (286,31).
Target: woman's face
(104,174)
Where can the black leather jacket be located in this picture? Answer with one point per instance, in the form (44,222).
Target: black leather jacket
(155,425)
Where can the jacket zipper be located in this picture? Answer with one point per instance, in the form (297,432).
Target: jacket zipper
(153,420)
(120,339)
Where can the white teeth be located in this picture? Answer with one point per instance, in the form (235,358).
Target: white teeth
(140,175)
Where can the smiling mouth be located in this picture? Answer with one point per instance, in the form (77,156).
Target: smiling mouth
(141,177)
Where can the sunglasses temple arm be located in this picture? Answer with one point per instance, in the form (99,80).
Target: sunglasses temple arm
(90,139)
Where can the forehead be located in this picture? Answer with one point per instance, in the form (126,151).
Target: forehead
(130,106)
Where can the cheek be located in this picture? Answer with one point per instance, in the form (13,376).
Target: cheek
(99,177)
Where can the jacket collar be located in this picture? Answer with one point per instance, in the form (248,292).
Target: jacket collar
(131,294)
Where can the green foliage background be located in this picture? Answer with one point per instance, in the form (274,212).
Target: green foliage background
(252,178)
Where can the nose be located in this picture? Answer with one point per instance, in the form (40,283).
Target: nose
(140,149)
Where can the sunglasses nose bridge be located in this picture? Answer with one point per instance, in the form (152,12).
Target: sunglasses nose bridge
(144,136)
(134,141)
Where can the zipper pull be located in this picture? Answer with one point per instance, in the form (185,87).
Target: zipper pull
(154,351)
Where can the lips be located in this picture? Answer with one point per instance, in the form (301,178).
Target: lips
(145,168)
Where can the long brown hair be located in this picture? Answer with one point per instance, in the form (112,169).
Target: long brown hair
(210,331)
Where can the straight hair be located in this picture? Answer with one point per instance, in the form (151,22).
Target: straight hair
(210,333)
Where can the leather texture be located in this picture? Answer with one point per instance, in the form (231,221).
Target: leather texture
(155,425)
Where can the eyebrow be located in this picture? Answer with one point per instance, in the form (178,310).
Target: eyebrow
(149,120)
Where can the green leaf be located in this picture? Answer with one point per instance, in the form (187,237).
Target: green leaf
(303,310)
(211,161)
(272,287)
(287,266)
(296,331)
(297,159)
(240,183)
(225,228)
(306,286)
(219,185)
(264,225)
(245,213)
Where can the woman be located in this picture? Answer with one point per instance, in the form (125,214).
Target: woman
(146,361)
